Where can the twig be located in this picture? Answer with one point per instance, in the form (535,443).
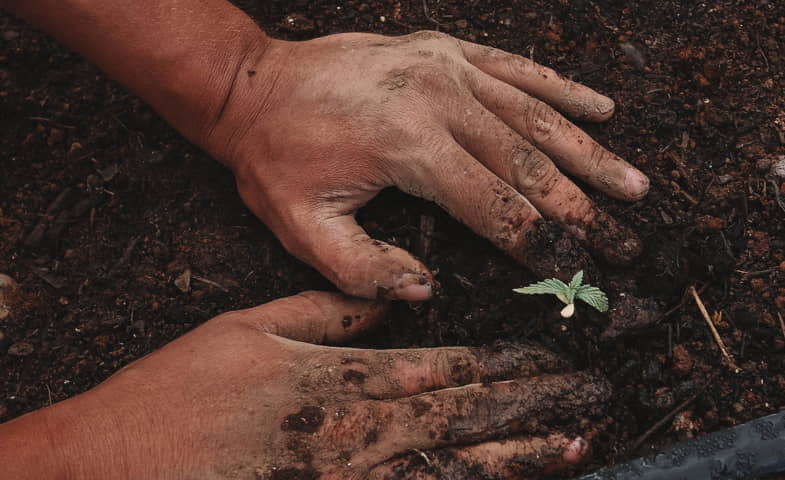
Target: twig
(758,273)
(124,258)
(210,282)
(782,324)
(681,303)
(678,408)
(428,15)
(725,354)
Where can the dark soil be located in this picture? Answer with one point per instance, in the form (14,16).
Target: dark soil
(103,206)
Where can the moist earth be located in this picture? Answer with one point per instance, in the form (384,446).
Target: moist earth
(121,236)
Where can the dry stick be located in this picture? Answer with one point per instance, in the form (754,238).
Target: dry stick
(782,324)
(725,354)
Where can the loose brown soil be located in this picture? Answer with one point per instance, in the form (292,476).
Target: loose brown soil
(103,206)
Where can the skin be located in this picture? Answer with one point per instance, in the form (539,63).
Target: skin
(312,131)
(243,397)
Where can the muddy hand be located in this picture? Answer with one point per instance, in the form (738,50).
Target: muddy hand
(242,397)
(335,120)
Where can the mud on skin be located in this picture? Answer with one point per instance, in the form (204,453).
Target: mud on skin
(549,251)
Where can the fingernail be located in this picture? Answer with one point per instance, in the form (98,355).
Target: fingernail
(576,450)
(636,184)
(413,288)
(605,106)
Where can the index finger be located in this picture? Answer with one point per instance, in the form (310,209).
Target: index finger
(576,100)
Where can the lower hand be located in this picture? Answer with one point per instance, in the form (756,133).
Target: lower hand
(242,397)
(313,130)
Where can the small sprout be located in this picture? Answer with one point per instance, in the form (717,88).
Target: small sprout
(569,293)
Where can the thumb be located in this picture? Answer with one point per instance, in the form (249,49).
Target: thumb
(356,263)
(314,317)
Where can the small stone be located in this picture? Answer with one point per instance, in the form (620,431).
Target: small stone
(462,23)
(21,349)
(4,411)
(724,179)
(10,35)
(634,55)
(4,312)
(183,282)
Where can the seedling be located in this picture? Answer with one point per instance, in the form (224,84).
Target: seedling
(568,293)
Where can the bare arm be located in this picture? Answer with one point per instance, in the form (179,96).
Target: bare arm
(313,130)
(180,56)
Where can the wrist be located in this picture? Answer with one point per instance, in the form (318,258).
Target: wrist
(82,438)
(247,95)
(62,442)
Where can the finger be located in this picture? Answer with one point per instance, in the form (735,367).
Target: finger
(315,317)
(492,208)
(356,263)
(515,458)
(565,143)
(401,373)
(476,413)
(533,174)
(574,99)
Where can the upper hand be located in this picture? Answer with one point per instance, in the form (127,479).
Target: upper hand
(326,124)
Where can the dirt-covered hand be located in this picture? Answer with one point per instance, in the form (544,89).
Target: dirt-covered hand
(242,397)
(313,130)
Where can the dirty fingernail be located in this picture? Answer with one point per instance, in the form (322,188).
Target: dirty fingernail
(413,288)
(605,105)
(576,450)
(636,184)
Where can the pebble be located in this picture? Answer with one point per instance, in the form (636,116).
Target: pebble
(634,55)
(21,349)
(183,282)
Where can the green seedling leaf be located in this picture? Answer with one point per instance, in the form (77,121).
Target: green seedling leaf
(551,286)
(568,293)
(593,296)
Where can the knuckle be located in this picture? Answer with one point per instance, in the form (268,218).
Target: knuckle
(532,169)
(355,426)
(521,66)
(544,123)
(427,35)
(458,367)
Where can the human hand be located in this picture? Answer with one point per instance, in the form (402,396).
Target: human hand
(241,397)
(326,124)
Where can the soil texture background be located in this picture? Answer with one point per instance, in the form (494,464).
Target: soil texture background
(104,208)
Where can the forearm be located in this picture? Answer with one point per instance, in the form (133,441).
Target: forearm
(85,438)
(180,56)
